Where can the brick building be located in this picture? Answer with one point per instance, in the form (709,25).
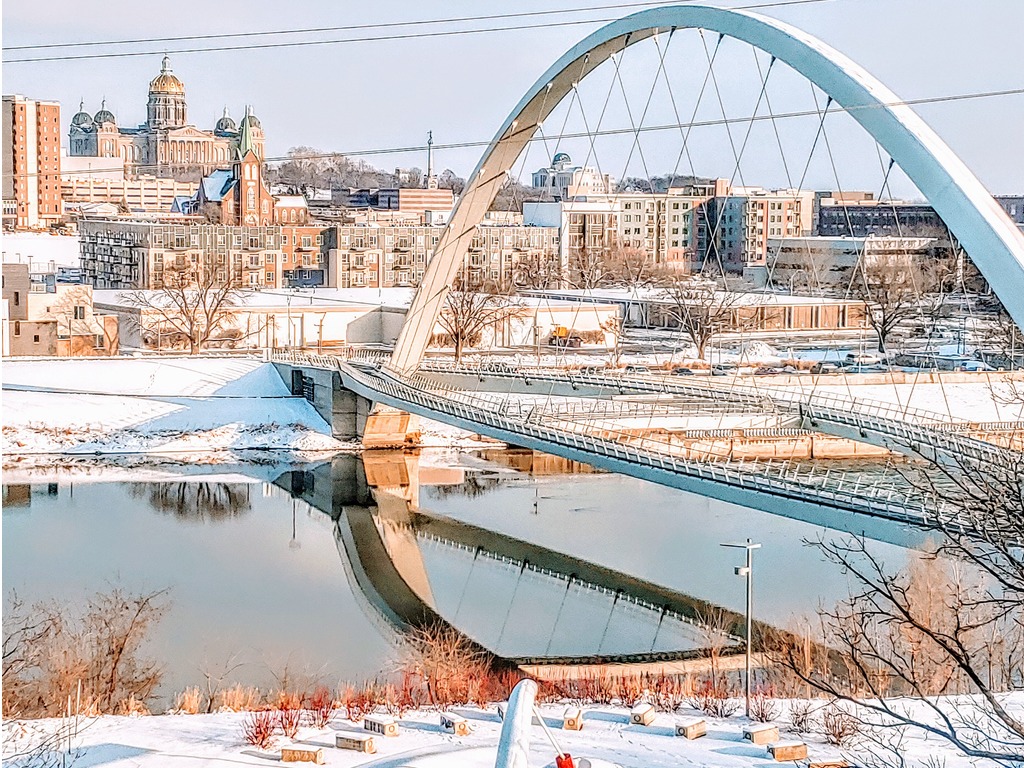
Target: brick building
(53,319)
(396,255)
(31,162)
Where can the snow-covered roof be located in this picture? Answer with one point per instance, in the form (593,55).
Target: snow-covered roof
(659,296)
(329,298)
(217,184)
(291,201)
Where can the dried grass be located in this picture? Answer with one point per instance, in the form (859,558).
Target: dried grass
(237,698)
(188,702)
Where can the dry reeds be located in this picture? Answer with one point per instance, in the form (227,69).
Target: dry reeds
(237,698)
(188,702)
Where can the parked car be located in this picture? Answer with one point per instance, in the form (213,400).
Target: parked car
(682,372)
(637,369)
(858,368)
(591,370)
(766,371)
(863,358)
(824,367)
(717,370)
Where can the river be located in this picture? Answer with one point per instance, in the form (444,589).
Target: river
(313,571)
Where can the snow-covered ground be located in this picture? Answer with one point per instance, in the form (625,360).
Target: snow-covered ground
(41,248)
(129,405)
(206,740)
(165,405)
(987,399)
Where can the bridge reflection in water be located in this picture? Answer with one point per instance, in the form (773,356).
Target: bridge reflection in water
(522,602)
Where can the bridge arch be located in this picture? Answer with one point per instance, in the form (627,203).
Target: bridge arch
(994,243)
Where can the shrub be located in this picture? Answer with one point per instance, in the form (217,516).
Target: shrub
(258,729)
(289,720)
(801,715)
(321,707)
(839,726)
(237,699)
(764,707)
(131,706)
(188,702)
(360,702)
(448,662)
(714,698)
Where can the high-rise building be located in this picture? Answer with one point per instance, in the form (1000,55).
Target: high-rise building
(31,162)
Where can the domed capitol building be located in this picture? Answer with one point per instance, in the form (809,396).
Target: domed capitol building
(165,145)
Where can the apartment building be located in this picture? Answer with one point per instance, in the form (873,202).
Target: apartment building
(815,263)
(861,215)
(396,255)
(31,162)
(46,318)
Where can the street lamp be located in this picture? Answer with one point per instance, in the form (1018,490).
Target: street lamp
(747,571)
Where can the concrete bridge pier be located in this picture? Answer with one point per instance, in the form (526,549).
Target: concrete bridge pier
(351,416)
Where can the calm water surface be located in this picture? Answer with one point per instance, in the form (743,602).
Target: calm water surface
(316,570)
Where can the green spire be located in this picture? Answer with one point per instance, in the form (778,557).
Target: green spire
(245,142)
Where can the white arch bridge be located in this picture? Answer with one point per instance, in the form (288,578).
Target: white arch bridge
(581,431)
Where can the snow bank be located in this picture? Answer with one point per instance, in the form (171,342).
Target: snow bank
(128,405)
(202,740)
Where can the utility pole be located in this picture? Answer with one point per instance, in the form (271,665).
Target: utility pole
(747,571)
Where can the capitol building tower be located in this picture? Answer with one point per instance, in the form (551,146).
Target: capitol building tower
(166,108)
(166,144)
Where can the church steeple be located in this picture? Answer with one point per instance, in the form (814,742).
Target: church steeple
(245,140)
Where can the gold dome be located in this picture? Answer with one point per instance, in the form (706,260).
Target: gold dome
(166,82)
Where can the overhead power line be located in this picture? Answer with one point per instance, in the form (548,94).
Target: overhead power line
(367,39)
(346,28)
(478,144)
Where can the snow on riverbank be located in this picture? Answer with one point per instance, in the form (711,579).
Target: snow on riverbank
(128,405)
(203,740)
(166,405)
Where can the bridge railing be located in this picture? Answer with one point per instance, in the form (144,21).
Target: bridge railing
(877,493)
(881,491)
(907,425)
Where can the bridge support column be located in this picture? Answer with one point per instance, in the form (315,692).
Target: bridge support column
(384,427)
(351,417)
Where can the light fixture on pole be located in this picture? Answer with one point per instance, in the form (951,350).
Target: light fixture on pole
(747,571)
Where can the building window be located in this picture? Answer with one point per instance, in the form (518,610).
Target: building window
(17,298)
(79,312)
(17,328)
(35,338)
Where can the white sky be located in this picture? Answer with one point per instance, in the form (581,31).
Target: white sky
(389,93)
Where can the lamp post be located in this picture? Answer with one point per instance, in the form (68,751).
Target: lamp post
(747,571)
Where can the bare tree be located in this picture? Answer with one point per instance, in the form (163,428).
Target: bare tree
(538,270)
(450,180)
(631,267)
(50,653)
(195,302)
(589,268)
(898,287)
(465,315)
(211,213)
(701,310)
(951,623)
